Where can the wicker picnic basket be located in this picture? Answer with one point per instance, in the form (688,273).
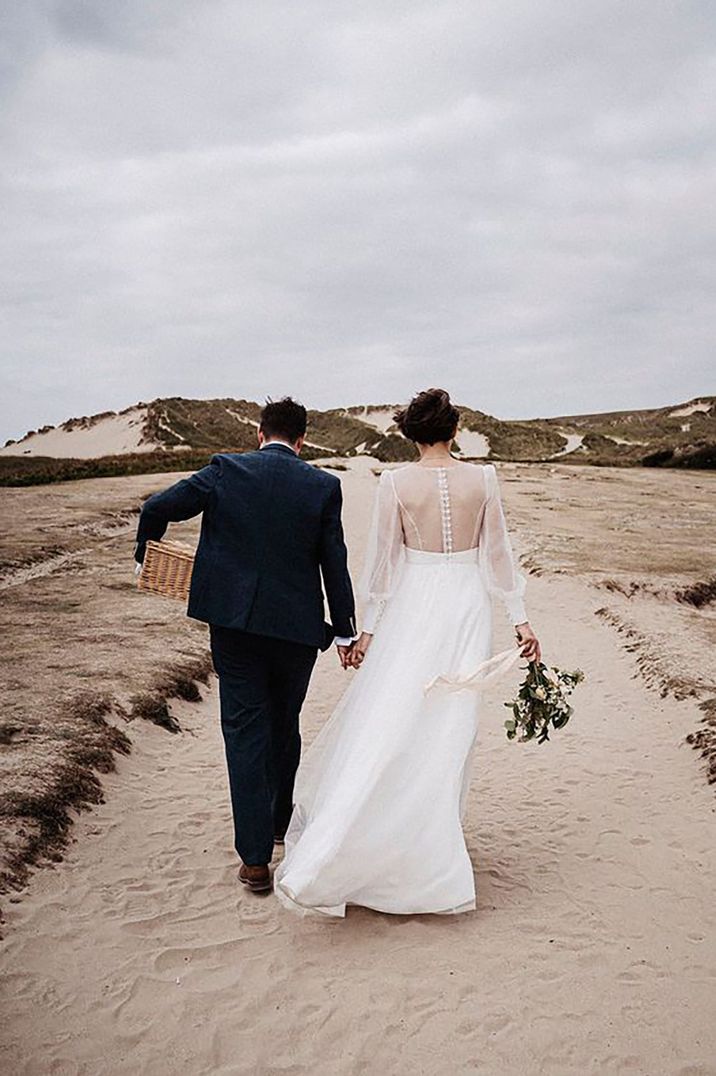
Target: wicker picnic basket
(167,569)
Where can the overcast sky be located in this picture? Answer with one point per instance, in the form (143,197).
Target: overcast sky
(351,201)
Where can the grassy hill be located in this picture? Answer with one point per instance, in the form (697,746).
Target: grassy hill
(177,434)
(682,435)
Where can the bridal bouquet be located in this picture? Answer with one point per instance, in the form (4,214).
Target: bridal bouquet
(541,702)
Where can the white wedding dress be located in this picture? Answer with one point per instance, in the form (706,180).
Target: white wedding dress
(381,791)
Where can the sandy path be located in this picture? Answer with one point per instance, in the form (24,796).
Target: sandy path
(591,950)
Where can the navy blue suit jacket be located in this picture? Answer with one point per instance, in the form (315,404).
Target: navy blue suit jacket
(271,527)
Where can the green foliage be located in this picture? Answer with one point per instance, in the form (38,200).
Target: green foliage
(394,448)
(209,424)
(652,437)
(700,456)
(541,702)
(339,432)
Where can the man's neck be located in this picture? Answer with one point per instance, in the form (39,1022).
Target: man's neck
(277,441)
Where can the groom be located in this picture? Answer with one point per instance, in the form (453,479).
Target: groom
(271,527)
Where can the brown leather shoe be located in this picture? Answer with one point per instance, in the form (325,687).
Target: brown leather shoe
(257,879)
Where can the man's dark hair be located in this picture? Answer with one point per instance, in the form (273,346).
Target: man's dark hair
(283,418)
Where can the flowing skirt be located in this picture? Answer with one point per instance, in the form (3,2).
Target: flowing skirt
(380,793)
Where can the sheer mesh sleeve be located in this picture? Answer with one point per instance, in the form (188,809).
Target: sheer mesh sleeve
(384,553)
(496,556)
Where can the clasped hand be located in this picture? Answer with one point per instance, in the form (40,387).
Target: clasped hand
(351,657)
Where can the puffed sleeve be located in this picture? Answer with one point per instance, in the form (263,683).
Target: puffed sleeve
(384,553)
(502,576)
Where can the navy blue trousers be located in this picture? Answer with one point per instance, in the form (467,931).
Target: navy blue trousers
(262,685)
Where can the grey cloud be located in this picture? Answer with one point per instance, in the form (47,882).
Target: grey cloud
(348,202)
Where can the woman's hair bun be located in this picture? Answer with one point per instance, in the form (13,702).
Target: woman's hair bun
(428,418)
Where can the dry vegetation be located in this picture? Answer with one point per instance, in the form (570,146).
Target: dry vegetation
(704,739)
(85,656)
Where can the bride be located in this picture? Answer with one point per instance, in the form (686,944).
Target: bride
(380,794)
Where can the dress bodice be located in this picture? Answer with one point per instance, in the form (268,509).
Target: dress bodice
(440,507)
(448,508)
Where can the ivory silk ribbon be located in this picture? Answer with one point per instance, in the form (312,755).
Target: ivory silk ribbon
(485,673)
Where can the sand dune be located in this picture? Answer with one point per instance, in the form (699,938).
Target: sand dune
(109,435)
(592,949)
(473,445)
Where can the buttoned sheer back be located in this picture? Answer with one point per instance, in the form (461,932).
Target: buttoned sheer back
(441,508)
(444,509)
